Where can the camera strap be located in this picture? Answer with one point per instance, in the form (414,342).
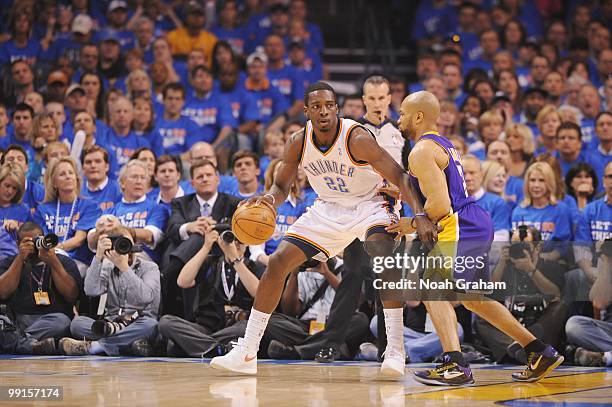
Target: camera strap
(229,292)
(57,214)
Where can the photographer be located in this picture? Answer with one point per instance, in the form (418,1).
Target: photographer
(40,288)
(132,286)
(533,290)
(220,317)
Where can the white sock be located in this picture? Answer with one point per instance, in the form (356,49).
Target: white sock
(256,326)
(95,348)
(394,327)
(607,357)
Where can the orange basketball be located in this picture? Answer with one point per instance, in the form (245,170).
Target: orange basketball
(254,224)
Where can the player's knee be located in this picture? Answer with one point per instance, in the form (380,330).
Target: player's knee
(280,265)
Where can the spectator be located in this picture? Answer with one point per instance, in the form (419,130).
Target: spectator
(601,152)
(208,109)
(144,117)
(298,12)
(98,186)
(4,125)
(85,121)
(56,110)
(569,146)
(204,151)
(271,103)
(520,140)
(93,85)
(22,80)
(448,121)
(70,43)
(589,104)
(548,121)
(34,192)
(174,132)
(426,67)
(138,85)
(149,158)
(581,184)
(168,176)
(192,35)
(534,100)
(76,98)
(228,27)
(89,56)
(35,100)
(162,55)
(245,168)
(507,82)
(554,85)
(66,214)
(44,130)
(352,107)
(485,90)
(288,81)
(12,211)
(120,140)
(451,74)
(513,36)
(188,223)
(117,17)
(431,22)
(494,179)
(223,56)
(40,287)
(21,45)
(540,207)
(144,31)
(304,61)
(132,288)
(111,64)
(495,205)
(540,67)
(490,128)
(144,219)
(243,105)
(22,127)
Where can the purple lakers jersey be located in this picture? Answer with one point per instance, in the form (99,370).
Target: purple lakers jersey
(457,191)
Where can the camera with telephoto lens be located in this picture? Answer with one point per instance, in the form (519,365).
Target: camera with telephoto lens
(225,232)
(105,328)
(48,241)
(517,249)
(123,245)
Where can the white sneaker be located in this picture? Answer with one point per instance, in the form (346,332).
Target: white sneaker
(394,363)
(237,360)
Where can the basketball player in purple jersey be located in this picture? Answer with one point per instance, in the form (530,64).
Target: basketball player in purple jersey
(436,173)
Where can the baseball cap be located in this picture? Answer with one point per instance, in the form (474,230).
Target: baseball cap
(73,87)
(117,4)
(257,55)
(534,89)
(194,7)
(296,42)
(108,35)
(499,96)
(57,76)
(82,24)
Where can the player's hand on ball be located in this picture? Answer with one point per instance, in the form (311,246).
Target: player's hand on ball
(402,227)
(259,200)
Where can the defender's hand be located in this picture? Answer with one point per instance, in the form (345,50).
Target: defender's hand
(402,227)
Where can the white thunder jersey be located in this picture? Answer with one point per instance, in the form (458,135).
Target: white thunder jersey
(333,174)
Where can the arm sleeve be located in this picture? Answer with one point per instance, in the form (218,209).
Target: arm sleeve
(97,277)
(143,291)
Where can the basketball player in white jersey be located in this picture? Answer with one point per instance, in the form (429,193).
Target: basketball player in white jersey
(344,165)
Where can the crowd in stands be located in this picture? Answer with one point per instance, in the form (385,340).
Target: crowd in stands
(148,121)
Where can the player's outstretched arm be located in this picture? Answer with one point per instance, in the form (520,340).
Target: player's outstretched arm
(364,147)
(286,172)
(426,161)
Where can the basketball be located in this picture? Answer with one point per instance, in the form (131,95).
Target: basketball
(254,224)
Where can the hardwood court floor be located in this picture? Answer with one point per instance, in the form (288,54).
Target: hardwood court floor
(91,381)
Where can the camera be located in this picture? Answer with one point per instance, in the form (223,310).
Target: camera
(48,241)
(105,328)
(225,232)
(123,245)
(517,249)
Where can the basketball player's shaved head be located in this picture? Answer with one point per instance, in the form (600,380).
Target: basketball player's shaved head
(419,110)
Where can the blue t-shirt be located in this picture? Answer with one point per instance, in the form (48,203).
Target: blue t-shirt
(140,214)
(106,197)
(567,165)
(18,212)
(588,131)
(497,208)
(430,21)
(211,114)
(121,148)
(514,191)
(9,52)
(598,159)
(269,101)
(34,195)
(288,81)
(173,136)
(553,221)
(84,218)
(236,37)
(595,223)
(243,105)
(286,215)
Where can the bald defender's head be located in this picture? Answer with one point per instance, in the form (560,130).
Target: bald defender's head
(419,114)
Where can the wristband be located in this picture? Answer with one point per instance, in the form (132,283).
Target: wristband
(273,198)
